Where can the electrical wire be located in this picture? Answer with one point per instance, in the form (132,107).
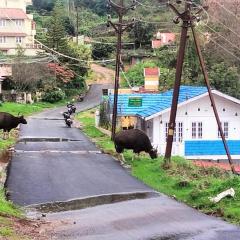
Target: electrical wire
(235,33)
(227,10)
(235,46)
(156,23)
(226,50)
(125,77)
(61,54)
(148,6)
(110,43)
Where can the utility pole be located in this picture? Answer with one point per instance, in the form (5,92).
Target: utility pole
(185,16)
(188,20)
(120,27)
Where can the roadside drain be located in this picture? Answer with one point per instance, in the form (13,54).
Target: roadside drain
(174,236)
(53,139)
(77,204)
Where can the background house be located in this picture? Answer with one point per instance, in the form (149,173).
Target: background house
(196,134)
(17,28)
(162,39)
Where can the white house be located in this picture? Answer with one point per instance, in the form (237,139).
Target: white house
(196,132)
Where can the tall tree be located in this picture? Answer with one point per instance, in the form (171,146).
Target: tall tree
(56,34)
(142,33)
(43,5)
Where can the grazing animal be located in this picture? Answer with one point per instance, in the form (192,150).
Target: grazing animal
(136,140)
(8,122)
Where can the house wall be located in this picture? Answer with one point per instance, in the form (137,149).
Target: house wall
(199,111)
(26,30)
(15,4)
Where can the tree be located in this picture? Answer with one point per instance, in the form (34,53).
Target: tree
(81,52)
(225,79)
(167,56)
(142,33)
(56,34)
(135,74)
(26,76)
(43,5)
(101,51)
(64,74)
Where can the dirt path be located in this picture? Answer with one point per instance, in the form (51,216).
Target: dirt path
(101,75)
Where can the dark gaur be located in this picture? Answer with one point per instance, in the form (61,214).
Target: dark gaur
(8,122)
(136,140)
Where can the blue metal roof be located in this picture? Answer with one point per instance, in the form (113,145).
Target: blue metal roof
(154,103)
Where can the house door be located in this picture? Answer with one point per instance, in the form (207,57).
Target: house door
(177,148)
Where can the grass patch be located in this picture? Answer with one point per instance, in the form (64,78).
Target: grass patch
(6,231)
(7,207)
(184,181)
(27,109)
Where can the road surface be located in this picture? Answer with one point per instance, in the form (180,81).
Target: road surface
(55,163)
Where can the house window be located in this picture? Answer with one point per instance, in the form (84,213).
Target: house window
(225,130)
(19,22)
(178,132)
(18,39)
(200,130)
(2,23)
(2,39)
(196,130)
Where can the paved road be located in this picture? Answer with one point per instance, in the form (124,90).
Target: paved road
(157,218)
(56,163)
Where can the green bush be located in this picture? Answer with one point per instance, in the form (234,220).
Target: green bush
(72,92)
(53,95)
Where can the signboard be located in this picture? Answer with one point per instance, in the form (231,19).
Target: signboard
(135,102)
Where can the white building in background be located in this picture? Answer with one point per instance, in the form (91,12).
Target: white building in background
(17,28)
(196,133)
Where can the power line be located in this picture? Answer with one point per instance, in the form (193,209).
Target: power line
(148,6)
(226,50)
(72,58)
(125,77)
(235,46)
(152,22)
(110,43)
(61,54)
(227,10)
(231,30)
(24,60)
